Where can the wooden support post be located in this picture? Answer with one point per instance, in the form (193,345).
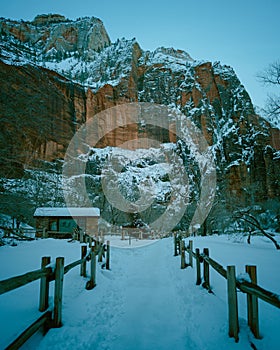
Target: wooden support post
(90,242)
(45,235)
(206,272)
(95,245)
(190,253)
(252,304)
(100,253)
(108,256)
(81,236)
(83,271)
(175,245)
(58,290)
(232,303)
(179,244)
(198,270)
(122,234)
(93,267)
(44,286)
(183,254)
(92,282)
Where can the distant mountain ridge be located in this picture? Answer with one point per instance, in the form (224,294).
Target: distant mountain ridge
(57,73)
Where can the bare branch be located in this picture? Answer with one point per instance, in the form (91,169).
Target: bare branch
(253,221)
(273,105)
(271,75)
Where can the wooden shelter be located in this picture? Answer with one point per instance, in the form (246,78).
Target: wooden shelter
(61,222)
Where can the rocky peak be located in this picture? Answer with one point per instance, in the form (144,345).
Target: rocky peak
(48,19)
(171,52)
(55,36)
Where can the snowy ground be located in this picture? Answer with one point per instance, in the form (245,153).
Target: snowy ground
(145,302)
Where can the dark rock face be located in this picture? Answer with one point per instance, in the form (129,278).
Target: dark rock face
(55,74)
(39,112)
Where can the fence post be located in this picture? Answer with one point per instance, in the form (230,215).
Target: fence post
(92,282)
(90,242)
(93,267)
(198,270)
(58,289)
(190,253)
(175,245)
(81,236)
(94,244)
(232,303)
(183,254)
(252,304)
(83,270)
(206,273)
(97,247)
(108,256)
(44,286)
(100,253)
(179,244)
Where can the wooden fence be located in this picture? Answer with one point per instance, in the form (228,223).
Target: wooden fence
(253,291)
(53,318)
(20,234)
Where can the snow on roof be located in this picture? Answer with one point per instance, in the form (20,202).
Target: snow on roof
(64,212)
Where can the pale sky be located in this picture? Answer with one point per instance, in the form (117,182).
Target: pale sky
(242,33)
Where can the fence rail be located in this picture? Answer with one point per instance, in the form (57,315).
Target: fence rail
(42,321)
(259,292)
(53,318)
(19,281)
(252,289)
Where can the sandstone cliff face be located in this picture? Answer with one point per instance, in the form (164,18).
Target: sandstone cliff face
(75,73)
(217,103)
(275,138)
(39,114)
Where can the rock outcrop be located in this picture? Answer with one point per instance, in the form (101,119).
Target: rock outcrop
(54,36)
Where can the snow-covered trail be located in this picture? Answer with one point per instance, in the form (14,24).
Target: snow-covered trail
(138,307)
(146,302)
(134,306)
(151,318)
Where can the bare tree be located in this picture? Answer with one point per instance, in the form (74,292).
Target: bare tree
(273,106)
(249,218)
(271,76)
